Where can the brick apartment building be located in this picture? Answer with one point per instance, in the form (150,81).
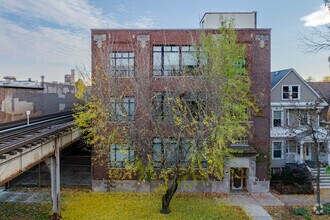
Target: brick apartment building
(141,55)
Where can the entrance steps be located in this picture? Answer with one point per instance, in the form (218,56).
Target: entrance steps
(324,178)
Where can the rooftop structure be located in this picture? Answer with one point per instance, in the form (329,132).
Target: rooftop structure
(241,20)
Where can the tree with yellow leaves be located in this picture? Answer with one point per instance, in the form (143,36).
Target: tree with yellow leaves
(182,131)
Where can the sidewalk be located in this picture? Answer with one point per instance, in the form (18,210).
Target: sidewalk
(24,197)
(308,200)
(252,203)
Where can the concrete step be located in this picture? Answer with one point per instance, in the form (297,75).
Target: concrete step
(322,168)
(323,184)
(315,171)
(325,181)
(321,178)
(321,174)
(323,187)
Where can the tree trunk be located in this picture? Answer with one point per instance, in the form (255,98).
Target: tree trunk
(318,191)
(167,197)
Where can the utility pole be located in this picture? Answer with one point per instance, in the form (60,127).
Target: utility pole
(28,117)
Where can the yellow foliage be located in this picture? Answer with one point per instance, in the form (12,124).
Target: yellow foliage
(124,205)
(326,79)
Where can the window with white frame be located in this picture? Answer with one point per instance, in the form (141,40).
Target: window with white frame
(277,150)
(290,92)
(241,142)
(277,118)
(287,117)
(121,155)
(304,117)
(122,64)
(291,146)
(276,170)
(123,108)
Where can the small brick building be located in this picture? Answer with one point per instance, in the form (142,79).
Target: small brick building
(143,51)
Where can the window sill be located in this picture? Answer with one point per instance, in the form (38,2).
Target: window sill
(277,158)
(125,77)
(239,145)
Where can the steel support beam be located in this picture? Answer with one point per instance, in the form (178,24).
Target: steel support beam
(55,181)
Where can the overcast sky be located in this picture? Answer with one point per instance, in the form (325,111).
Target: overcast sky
(47,37)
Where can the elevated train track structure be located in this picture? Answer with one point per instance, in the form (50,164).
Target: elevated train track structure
(24,146)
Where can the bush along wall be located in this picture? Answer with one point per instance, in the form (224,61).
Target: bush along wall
(293,179)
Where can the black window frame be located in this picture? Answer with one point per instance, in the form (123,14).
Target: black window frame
(120,112)
(125,72)
(161,71)
(115,164)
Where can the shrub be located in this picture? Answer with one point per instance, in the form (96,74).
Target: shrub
(326,208)
(294,179)
(302,212)
(327,169)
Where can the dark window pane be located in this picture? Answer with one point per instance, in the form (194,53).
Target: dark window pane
(277,122)
(277,154)
(286,94)
(295,91)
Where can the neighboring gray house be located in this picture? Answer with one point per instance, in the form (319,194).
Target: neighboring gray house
(293,110)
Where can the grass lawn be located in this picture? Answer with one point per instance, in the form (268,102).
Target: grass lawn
(24,211)
(285,213)
(115,205)
(84,204)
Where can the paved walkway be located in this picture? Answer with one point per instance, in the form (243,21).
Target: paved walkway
(252,203)
(290,200)
(24,197)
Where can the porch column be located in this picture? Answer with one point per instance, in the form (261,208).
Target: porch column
(328,153)
(301,159)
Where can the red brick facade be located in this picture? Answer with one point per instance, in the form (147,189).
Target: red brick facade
(142,41)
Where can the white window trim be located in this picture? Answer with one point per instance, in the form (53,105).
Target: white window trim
(308,119)
(288,117)
(282,153)
(282,122)
(290,92)
(239,142)
(287,148)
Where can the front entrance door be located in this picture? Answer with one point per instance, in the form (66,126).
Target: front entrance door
(307,151)
(238,178)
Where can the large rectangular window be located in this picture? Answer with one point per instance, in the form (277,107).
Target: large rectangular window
(161,107)
(192,105)
(173,60)
(277,150)
(290,92)
(291,146)
(169,152)
(123,108)
(277,118)
(189,60)
(121,155)
(122,64)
